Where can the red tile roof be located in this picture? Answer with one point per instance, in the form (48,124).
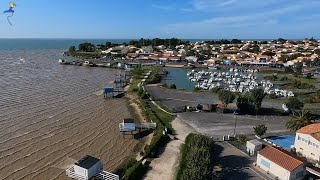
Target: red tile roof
(310,129)
(281,157)
(313,130)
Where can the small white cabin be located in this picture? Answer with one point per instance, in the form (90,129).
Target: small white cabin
(127,125)
(253,146)
(89,167)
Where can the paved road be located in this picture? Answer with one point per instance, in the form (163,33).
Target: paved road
(233,163)
(224,124)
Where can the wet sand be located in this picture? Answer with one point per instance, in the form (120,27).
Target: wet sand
(52,115)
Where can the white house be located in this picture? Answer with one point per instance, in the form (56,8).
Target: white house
(253,146)
(307,142)
(281,163)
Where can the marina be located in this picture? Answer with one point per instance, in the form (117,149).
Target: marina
(234,80)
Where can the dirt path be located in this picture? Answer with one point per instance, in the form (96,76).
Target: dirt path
(166,165)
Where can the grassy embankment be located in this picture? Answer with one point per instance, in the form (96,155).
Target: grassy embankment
(196,158)
(134,169)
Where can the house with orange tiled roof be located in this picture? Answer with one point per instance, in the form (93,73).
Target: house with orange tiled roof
(281,164)
(307,142)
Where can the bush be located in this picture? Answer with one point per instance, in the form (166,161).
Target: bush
(144,96)
(260,130)
(215,90)
(135,89)
(242,138)
(273,96)
(284,78)
(140,92)
(288,70)
(196,89)
(271,78)
(173,86)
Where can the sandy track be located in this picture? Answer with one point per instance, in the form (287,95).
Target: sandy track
(166,165)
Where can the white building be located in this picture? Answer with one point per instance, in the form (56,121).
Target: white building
(281,164)
(127,125)
(89,167)
(253,146)
(307,142)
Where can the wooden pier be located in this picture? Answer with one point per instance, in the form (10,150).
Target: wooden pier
(117,87)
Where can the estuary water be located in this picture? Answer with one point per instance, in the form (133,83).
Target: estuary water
(51,115)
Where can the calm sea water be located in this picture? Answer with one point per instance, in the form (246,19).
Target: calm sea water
(33,44)
(28,44)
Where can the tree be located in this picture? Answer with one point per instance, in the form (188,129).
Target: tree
(260,130)
(226,97)
(294,104)
(256,97)
(87,47)
(269,53)
(72,49)
(108,45)
(173,86)
(281,40)
(284,58)
(299,121)
(243,104)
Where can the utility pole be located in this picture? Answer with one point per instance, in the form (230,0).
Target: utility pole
(235,122)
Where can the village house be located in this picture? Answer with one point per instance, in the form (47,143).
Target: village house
(281,164)
(307,142)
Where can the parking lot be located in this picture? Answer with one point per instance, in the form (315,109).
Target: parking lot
(226,124)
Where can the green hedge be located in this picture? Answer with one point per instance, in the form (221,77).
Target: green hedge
(196,158)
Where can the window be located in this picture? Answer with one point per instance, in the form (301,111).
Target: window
(265,163)
(299,138)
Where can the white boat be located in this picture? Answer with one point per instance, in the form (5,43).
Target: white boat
(212,67)
(61,61)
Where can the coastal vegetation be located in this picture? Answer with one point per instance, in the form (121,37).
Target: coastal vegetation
(135,169)
(294,104)
(302,119)
(196,158)
(251,100)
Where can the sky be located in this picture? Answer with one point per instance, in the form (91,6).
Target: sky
(186,19)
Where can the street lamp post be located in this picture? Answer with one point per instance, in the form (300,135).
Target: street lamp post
(235,122)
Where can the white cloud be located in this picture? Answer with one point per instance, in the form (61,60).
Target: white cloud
(226,3)
(245,23)
(162,7)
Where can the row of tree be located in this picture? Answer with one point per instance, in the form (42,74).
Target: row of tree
(253,100)
(245,103)
(157,42)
